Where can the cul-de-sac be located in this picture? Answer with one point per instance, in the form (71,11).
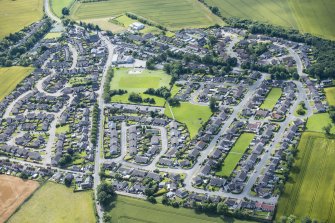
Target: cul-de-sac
(176,111)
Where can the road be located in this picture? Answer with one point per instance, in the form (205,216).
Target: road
(47,11)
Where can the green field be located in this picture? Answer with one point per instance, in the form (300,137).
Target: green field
(330,94)
(124,21)
(55,203)
(235,154)
(15,15)
(194,116)
(10,77)
(173,14)
(310,16)
(53,35)
(310,189)
(272,98)
(58,5)
(138,83)
(131,210)
(316,122)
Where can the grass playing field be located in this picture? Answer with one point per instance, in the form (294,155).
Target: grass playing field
(55,203)
(194,116)
(10,77)
(52,35)
(310,190)
(13,192)
(124,21)
(235,154)
(316,122)
(15,15)
(174,14)
(310,16)
(58,5)
(131,210)
(330,94)
(271,99)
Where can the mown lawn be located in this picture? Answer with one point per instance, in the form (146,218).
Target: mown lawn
(310,189)
(310,16)
(194,116)
(316,122)
(15,15)
(125,21)
(52,35)
(235,154)
(55,203)
(10,77)
(173,14)
(58,5)
(272,98)
(131,210)
(330,94)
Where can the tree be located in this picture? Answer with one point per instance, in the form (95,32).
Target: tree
(106,218)
(65,11)
(327,129)
(68,181)
(24,175)
(283,219)
(152,199)
(222,208)
(105,195)
(306,220)
(213,105)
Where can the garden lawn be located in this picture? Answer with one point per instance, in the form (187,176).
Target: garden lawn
(310,188)
(330,94)
(55,203)
(131,210)
(271,99)
(10,77)
(235,154)
(194,116)
(173,14)
(15,15)
(316,122)
(58,5)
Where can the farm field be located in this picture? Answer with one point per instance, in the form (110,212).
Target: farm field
(131,210)
(173,14)
(310,189)
(13,192)
(316,122)
(271,99)
(192,115)
(138,83)
(56,203)
(330,94)
(310,16)
(58,5)
(15,15)
(235,154)
(10,77)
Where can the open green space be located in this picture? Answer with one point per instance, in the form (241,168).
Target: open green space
(10,77)
(15,15)
(173,14)
(194,116)
(271,99)
(310,188)
(330,94)
(125,21)
(63,129)
(316,122)
(310,16)
(58,5)
(131,210)
(53,35)
(55,203)
(235,154)
(138,83)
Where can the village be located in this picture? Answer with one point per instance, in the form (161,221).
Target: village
(56,124)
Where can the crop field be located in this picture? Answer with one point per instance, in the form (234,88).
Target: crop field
(310,16)
(271,99)
(235,154)
(58,5)
(13,192)
(316,122)
(194,116)
(10,77)
(15,15)
(173,14)
(131,210)
(330,94)
(310,190)
(55,203)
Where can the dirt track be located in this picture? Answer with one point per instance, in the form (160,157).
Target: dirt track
(13,191)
